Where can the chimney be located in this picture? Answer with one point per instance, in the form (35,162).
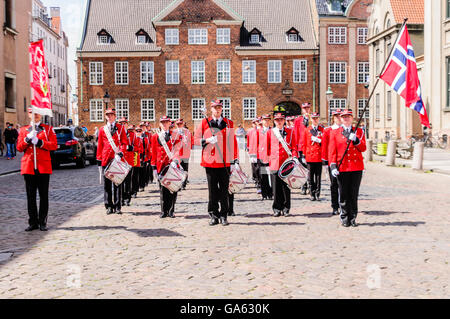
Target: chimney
(55,13)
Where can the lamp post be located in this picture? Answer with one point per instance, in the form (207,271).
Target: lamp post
(106,99)
(329,95)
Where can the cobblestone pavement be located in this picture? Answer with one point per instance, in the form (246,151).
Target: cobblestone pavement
(400,249)
(10,165)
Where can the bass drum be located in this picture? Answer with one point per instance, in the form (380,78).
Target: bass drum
(172,178)
(293,174)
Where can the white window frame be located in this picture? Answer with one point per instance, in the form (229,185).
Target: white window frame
(122,108)
(274,68)
(300,71)
(148,105)
(198,72)
(120,74)
(223,36)
(100,40)
(96,115)
(147,70)
(95,73)
(337,74)
(336,104)
(361,105)
(363,72)
(141,37)
(251,110)
(197,105)
(226,110)
(253,39)
(198,36)
(172,76)
(226,74)
(172,36)
(249,75)
(170,109)
(337,35)
(297,36)
(362,35)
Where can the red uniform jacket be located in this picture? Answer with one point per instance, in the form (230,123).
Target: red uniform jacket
(353,160)
(263,154)
(326,141)
(299,129)
(105,153)
(159,155)
(49,143)
(226,146)
(147,150)
(186,142)
(133,157)
(276,152)
(252,141)
(312,150)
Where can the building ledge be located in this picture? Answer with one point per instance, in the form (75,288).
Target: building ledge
(447,109)
(10,31)
(10,109)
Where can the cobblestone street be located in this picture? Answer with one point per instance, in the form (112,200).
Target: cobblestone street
(401,248)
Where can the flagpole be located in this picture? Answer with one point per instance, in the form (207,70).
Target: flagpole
(373,90)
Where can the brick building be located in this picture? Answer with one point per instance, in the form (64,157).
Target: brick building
(172,57)
(344,54)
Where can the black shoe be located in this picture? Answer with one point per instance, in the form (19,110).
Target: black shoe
(142,189)
(353,223)
(346,224)
(163,215)
(286,213)
(213,221)
(224,221)
(312,198)
(231,214)
(277,213)
(318,197)
(31,228)
(118,211)
(171,215)
(43,228)
(335,212)
(128,203)
(109,211)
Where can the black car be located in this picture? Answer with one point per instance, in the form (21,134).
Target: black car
(74,146)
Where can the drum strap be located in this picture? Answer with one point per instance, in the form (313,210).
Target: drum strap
(162,140)
(110,139)
(276,131)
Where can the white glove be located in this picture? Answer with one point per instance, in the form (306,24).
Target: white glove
(316,139)
(212,140)
(335,172)
(155,174)
(34,140)
(253,159)
(32,134)
(303,159)
(352,137)
(173,164)
(117,158)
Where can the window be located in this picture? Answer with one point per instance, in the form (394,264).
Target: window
(147,72)
(198,36)
(10,94)
(337,35)
(361,105)
(95,73)
(248,71)
(198,72)
(103,39)
(249,108)
(336,5)
(96,110)
(9,14)
(255,38)
(363,72)
(377,107)
(337,104)
(223,72)
(274,71)
(172,37)
(377,61)
(223,36)
(122,108)
(338,72)
(226,111)
(389,105)
(197,107)
(147,110)
(121,73)
(300,69)
(362,35)
(172,72)
(141,39)
(173,108)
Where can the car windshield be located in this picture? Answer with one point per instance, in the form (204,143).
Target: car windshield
(63,135)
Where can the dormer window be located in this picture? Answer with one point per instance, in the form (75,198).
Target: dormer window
(142,37)
(104,37)
(293,35)
(255,36)
(335,5)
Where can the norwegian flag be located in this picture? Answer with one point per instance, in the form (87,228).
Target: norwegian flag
(401,75)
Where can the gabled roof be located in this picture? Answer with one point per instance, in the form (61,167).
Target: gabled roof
(414,10)
(324,10)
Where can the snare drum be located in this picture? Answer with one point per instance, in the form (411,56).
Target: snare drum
(172,178)
(117,171)
(238,181)
(293,174)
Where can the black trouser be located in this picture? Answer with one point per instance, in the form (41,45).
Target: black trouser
(314,178)
(135,180)
(349,183)
(127,187)
(33,183)
(185,165)
(264,175)
(334,187)
(142,176)
(218,183)
(113,193)
(230,203)
(281,195)
(149,173)
(255,168)
(168,200)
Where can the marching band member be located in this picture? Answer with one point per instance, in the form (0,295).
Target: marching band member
(312,154)
(148,166)
(349,174)
(126,185)
(290,122)
(186,144)
(277,156)
(42,140)
(252,149)
(300,125)
(325,155)
(263,158)
(105,155)
(145,157)
(132,156)
(160,159)
(219,153)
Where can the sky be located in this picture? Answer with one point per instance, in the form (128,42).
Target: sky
(72,19)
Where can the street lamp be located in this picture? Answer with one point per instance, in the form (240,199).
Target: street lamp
(106,99)
(329,95)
